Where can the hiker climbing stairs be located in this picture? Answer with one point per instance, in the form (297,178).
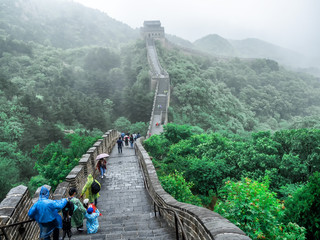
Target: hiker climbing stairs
(127,211)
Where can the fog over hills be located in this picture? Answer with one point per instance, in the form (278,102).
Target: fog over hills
(61,24)
(251,48)
(69,24)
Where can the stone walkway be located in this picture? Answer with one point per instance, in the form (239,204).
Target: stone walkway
(127,211)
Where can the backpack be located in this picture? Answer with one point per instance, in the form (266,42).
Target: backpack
(95,187)
(67,211)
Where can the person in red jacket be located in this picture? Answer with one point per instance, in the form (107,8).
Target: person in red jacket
(101,166)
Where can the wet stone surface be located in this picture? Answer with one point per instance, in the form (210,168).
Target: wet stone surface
(127,211)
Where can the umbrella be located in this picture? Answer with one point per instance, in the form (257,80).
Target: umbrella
(102,155)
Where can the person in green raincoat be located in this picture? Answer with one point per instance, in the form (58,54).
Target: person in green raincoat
(86,190)
(78,212)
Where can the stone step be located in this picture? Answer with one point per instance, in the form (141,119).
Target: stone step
(125,218)
(133,225)
(130,226)
(158,234)
(127,210)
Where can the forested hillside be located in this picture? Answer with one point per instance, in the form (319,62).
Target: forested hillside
(252,153)
(61,24)
(238,96)
(251,48)
(267,184)
(46,89)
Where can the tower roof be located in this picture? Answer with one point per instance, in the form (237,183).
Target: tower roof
(154,23)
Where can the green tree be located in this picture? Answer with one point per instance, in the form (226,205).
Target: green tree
(176,186)
(9,176)
(256,210)
(303,207)
(157,146)
(139,127)
(122,124)
(174,133)
(54,161)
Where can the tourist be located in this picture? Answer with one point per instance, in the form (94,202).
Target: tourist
(86,190)
(79,210)
(92,220)
(120,144)
(45,212)
(87,204)
(126,140)
(131,141)
(102,166)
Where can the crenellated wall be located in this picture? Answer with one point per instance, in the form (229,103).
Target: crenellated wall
(78,175)
(199,222)
(14,208)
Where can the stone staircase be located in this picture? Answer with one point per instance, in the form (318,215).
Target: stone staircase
(127,211)
(160,100)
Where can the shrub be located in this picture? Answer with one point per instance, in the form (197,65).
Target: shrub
(304,207)
(177,187)
(256,210)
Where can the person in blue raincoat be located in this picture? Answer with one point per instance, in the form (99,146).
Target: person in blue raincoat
(45,212)
(92,220)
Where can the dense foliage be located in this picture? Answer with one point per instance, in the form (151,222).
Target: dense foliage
(237,95)
(55,161)
(177,186)
(279,165)
(56,90)
(45,90)
(255,140)
(61,23)
(303,207)
(252,207)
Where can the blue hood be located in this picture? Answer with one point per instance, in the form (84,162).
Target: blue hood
(44,193)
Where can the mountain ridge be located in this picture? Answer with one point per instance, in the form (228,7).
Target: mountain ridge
(49,23)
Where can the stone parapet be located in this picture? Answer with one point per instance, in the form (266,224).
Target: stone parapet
(76,177)
(14,208)
(61,191)
(87,164)
(199,222)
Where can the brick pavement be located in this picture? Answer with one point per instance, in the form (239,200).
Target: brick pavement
(125,204)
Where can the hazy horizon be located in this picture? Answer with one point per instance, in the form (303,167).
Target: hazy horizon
(290,24)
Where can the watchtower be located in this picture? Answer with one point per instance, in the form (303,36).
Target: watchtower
(152,29)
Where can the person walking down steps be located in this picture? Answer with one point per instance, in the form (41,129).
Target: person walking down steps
(45,212)
(126,140)
(92,220)
(87,190)
(78,212)
(120,145)
(131,141)
(102,166)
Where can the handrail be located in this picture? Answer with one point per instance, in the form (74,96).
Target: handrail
(21,229)
(176,216)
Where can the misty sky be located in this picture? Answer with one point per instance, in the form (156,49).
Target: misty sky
(294,24)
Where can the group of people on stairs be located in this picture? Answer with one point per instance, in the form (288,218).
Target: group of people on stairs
(127,138)
(46,212)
